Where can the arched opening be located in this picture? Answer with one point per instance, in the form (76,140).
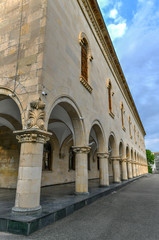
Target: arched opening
(112,153)
(10,120)
(65,125)
(128,157)
(97,144)
(121,155)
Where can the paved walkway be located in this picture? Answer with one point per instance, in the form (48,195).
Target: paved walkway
(131,213)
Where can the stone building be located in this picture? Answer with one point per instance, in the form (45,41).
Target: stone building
(66,112)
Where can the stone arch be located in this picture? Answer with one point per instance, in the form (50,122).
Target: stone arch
(99,136)
(132,155)
(97,144)
(127,152)
(121,148)
(75,121)
(10,121)
(112,145)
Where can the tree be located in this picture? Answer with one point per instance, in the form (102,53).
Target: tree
(150,160)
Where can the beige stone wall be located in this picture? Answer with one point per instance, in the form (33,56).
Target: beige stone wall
(22,30)
(9,159)
(61,75)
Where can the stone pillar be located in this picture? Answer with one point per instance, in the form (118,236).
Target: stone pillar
(104,172)
(124,169)
(134,169)
(81,181)
(116,169)
(137,169)
(30,168)
(129,169)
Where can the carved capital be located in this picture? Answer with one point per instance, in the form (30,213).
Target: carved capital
(116,158)
(102,155)
(83,149)
(124,160)
(32,135)
(36,117)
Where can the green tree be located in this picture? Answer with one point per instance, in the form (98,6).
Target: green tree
(150,160)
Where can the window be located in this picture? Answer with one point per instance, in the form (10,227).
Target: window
(84,64)
(86,58)
(130,127)
(110,94)
(135,134)
(122,115)
(72,155)
(47,161)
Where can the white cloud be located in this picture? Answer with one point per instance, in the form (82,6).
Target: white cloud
(113,13)
(117,30)
(104,3)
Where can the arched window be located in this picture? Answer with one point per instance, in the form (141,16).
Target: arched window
(135,134)
(122,115)
(110,94)
(71,159)
(47,155)
(130,127)
(86,58)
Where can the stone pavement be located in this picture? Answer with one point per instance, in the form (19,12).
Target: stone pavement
(130,213)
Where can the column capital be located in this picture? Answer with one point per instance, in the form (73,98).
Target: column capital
(102,155)
(32,135)
(123,159)
(118,158)
(84,149)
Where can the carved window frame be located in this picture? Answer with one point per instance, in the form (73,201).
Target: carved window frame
(129,120)
(122,115)
(110,94)
(85,78)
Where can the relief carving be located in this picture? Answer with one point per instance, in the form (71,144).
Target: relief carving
(36,115)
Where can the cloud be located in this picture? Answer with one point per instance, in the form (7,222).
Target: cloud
(104,3)
(117,30)
(113,13)
(136,42)
(138,53)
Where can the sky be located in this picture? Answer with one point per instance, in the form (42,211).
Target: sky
(134,29)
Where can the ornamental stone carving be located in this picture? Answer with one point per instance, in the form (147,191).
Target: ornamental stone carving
(102,155)
(32,135)
(84,149)
(36,115)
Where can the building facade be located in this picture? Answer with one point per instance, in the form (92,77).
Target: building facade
(66,112)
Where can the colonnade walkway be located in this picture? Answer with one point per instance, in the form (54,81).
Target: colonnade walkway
(57,202)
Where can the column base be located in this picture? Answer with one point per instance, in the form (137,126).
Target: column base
(26,211)
(124,179)
(81,193)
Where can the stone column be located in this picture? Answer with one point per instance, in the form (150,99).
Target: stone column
(129,169)
(137,169)
(30,168)
(124,169)
(81,181)
(116,169)
(134,169)
(104,172)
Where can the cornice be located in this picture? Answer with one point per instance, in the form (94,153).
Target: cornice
(95,16)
